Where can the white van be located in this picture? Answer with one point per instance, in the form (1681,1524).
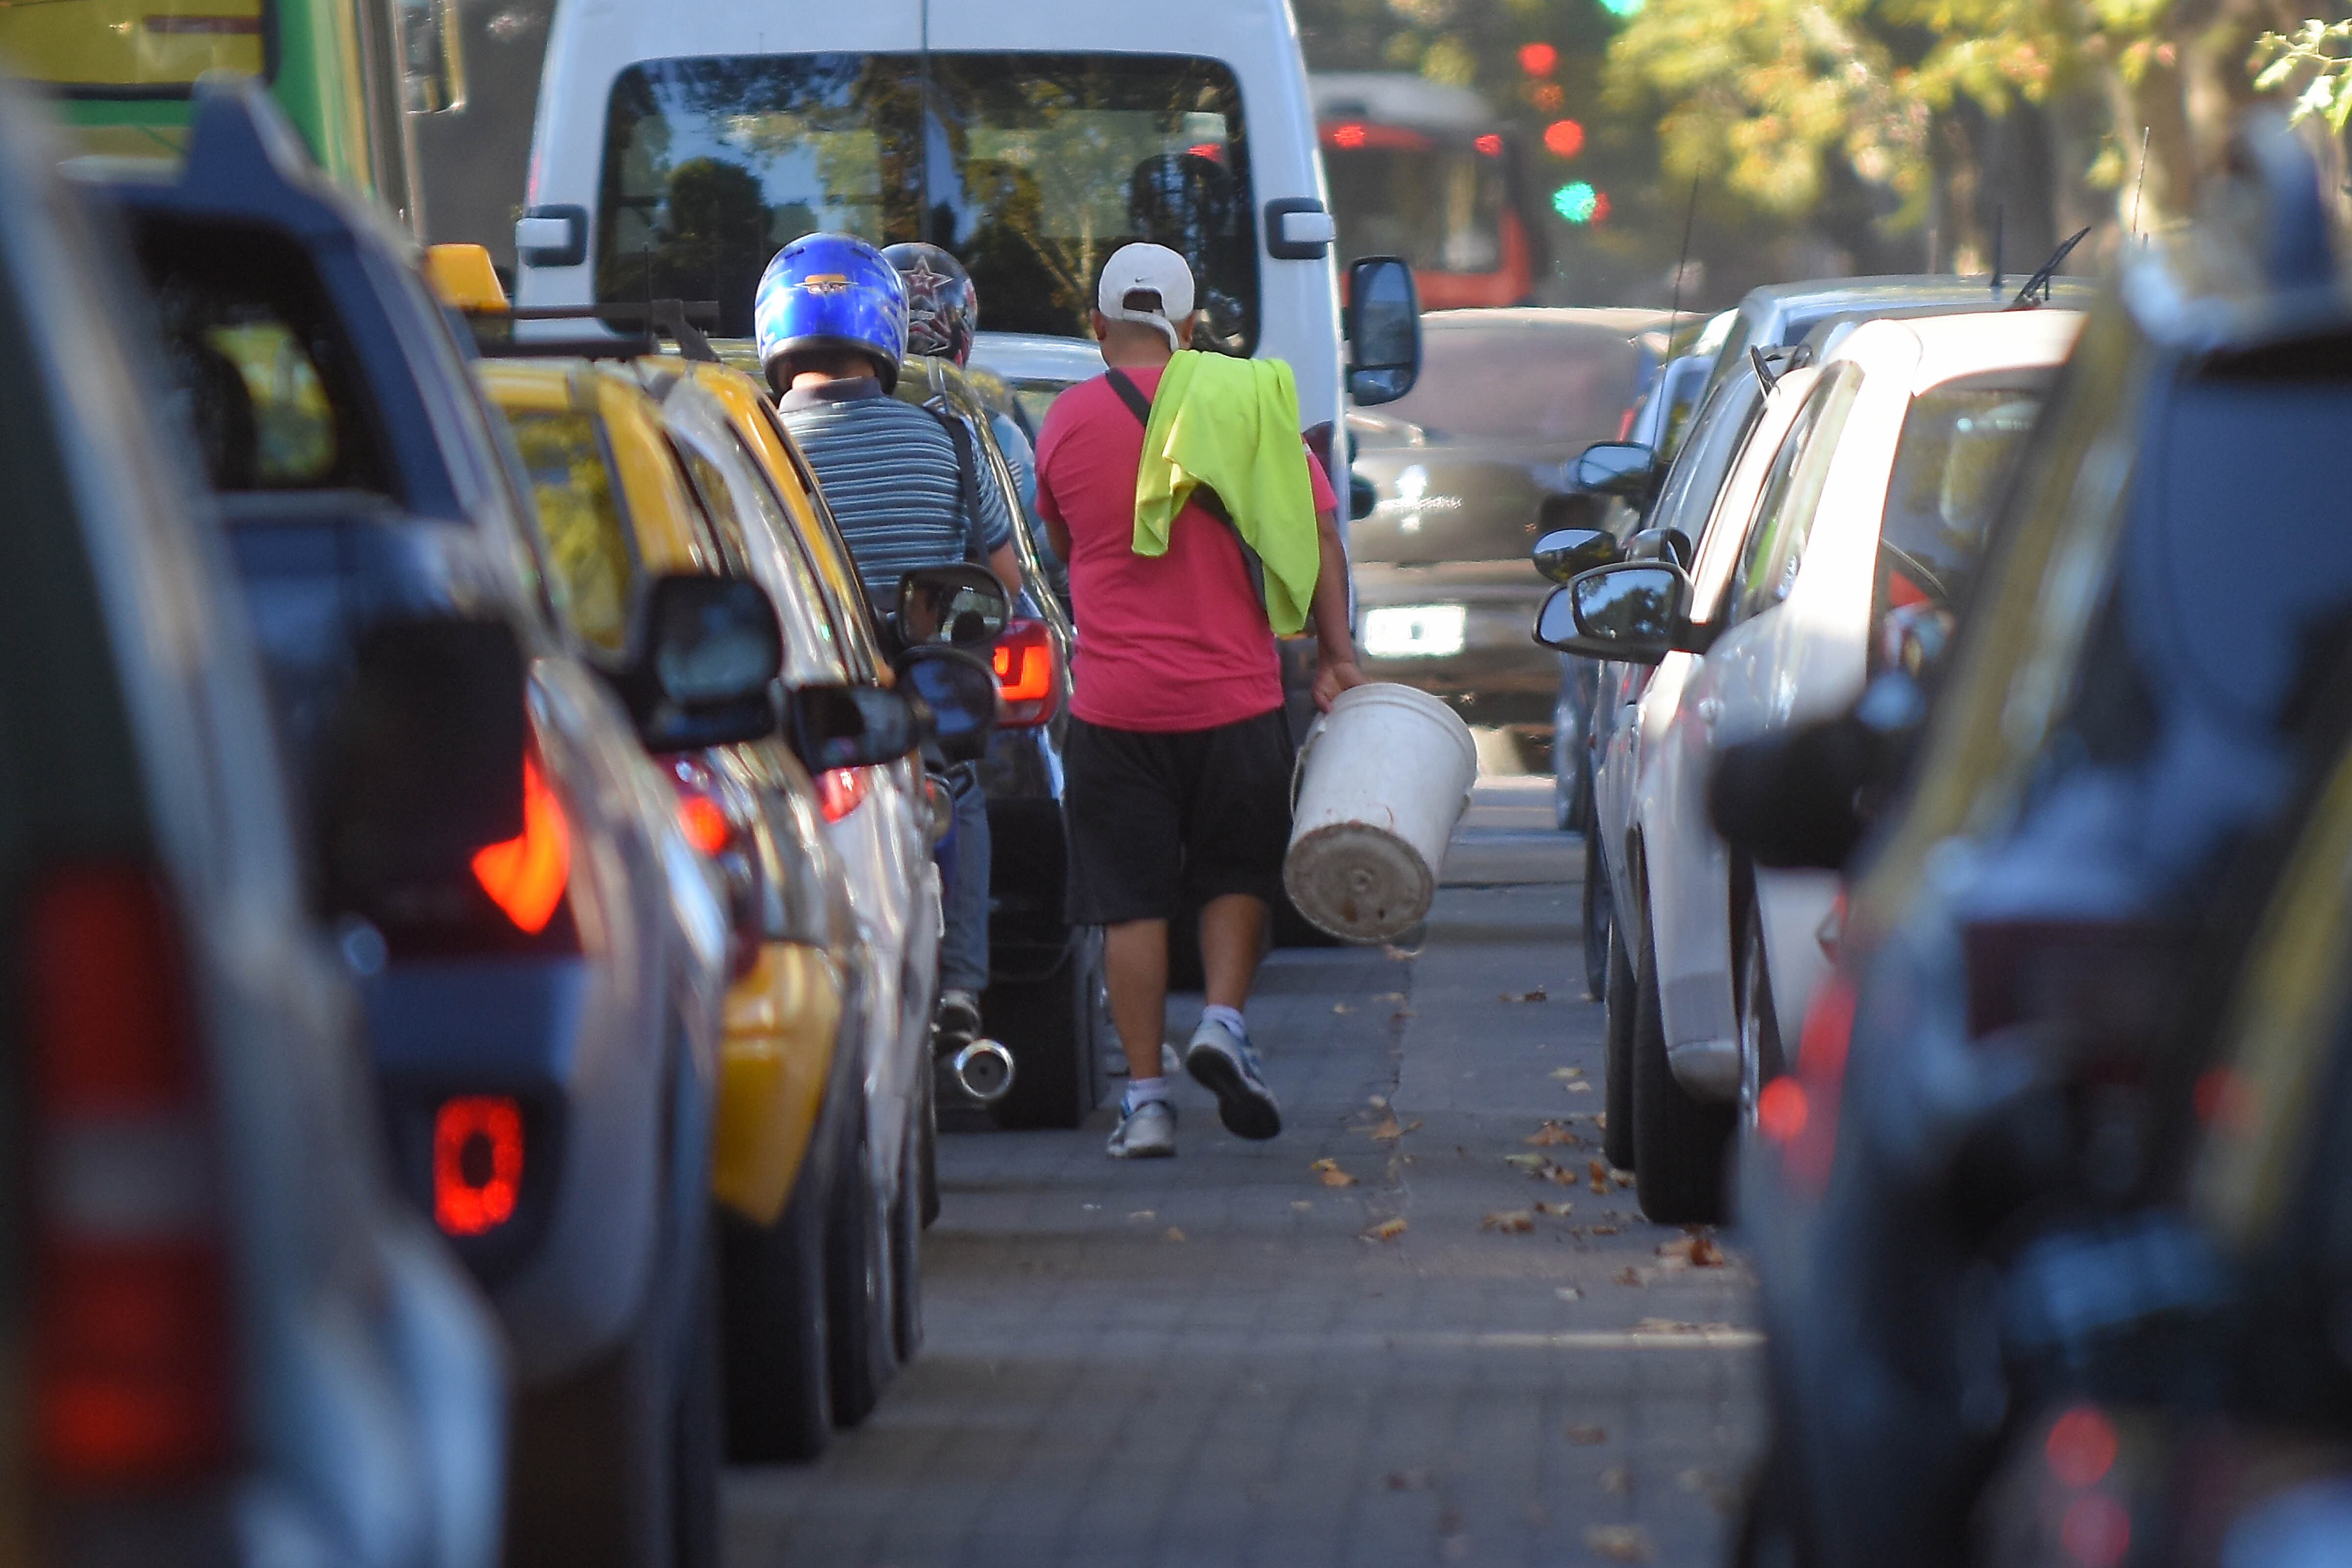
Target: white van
(680,147)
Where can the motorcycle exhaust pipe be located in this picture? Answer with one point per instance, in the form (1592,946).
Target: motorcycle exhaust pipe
(983,1069)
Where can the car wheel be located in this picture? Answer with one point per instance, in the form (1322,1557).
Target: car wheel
(1679,1141)
(1599,909)
(594,1474)
(697,1440)
(779,1384)
(906,1245)
(1760,1059)
(1617,1097)
(1572,786)
(858,1330)
(1053,1027)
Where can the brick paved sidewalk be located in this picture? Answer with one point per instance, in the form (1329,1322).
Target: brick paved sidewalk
(1203,1361)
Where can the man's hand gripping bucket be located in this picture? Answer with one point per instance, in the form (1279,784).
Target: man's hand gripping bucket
(1382,781)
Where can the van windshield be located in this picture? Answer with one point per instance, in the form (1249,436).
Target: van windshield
(1036,166)
(135,48)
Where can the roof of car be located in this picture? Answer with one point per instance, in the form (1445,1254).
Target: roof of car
(1969,344)
(1627,321)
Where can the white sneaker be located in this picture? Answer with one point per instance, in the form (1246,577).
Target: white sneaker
(1225,1064)
(1146,1132)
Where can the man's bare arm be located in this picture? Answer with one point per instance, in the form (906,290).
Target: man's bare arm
(1336,668)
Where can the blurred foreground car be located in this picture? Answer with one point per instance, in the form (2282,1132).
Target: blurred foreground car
(231,1344)
(2121,721)
(544,961)
(1865,533)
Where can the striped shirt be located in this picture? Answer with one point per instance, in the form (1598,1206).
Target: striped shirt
(890,475)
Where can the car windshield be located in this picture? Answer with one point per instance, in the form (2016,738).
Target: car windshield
(1562,384)
(1960,441)
(116,48)
(1437,202)
(1035,168)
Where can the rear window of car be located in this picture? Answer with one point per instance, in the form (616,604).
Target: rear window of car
(1960,444)
(590,565)
(1561,385)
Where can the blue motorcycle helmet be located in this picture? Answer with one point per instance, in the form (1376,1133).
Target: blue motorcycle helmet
(828,292)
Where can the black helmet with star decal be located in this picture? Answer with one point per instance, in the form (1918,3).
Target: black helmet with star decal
(942,306)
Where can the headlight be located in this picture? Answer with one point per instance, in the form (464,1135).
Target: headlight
(1413,631)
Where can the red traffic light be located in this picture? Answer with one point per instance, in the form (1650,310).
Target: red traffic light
(1538,59)
(1565,138)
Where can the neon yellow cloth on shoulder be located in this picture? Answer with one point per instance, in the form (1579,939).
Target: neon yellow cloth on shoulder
(1233,425)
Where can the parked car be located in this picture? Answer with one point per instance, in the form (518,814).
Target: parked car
(1870,516)
(543,978)
(2120,720)
(233,1341)
(1460,467)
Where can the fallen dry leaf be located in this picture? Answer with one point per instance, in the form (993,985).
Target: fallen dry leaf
(1558,1211)
(1396,954)
(1704,1252)
(1387,1230)
(1622,1178)
(1509,1221)
(1532,1164)
(1601,1230)
(1385,1128)
(1402,1014)
(1341,1007)
(1328,1172)
(1567,1072)
(1618,1542)
(1568,1293)
(1144,1214)
(1175,1235)
(1579,1087)
(1538,994)
(1378,1101)
(1617,1480)
(1598,1171)
(1588,1436)
(1551,1134)
(1628,1275)
(1397,998)
(1668,1326)
(1561,1176)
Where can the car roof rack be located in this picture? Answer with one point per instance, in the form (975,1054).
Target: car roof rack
(675,319)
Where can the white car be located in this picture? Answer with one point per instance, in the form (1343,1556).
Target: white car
(1854,512)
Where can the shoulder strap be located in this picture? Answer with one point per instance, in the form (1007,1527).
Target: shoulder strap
(1207,499)
(1130,394)
(967,469)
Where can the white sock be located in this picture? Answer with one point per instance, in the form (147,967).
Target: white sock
(1142,1091)
(1230,1017)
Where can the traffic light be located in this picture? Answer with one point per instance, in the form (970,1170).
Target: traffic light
(1564,138)
(1536,60)
(1579,203)
(1621,9)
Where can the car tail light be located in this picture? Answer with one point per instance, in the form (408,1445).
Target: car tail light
(525,876)
(1028,678)
(839,790)
(704,822)
(477,1154)
(1799,1110)
(709,822)
(132,1365)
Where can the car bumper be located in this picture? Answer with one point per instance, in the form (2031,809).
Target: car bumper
(782,1023)
(1457,636)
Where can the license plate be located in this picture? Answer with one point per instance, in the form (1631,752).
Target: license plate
(1413,631)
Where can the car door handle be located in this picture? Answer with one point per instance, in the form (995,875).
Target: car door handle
(1710,708)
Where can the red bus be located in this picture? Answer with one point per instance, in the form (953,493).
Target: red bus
(1427,172)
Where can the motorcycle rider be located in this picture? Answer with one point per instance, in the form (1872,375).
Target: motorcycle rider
(831,316)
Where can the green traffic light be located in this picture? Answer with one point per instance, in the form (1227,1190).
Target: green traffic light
(1621,8)
(1576,201)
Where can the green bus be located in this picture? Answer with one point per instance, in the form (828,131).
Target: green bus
(347,73)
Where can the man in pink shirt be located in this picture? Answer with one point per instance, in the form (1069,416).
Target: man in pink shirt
(1179,756)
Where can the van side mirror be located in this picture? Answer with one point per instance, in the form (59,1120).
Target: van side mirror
(964,605)
(1565,553)
(832,726)
(1805,797)
(959,689)
(1635,610)
(706,652)
(1383,327)
(1620,468)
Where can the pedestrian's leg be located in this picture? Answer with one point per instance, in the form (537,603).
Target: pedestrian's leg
(1233,936)
(1135,954)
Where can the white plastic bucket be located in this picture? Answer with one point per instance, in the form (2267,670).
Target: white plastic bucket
(1382,780)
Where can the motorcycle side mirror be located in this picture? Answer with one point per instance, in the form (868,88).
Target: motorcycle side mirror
(836,726)
(958,692)
(1566,553)
(963,606)
(1803,797)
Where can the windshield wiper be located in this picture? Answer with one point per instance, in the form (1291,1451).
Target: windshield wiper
(2046,279)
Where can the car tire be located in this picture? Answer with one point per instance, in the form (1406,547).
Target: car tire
(779,1382)
(1679,1141)
(928,1183)
(698,1439)
(1760,1057)
(1617,1084)
(858,1330)
(593,1487)
(907,1246)
(1571,788)
(1055,1029)
(1599,909)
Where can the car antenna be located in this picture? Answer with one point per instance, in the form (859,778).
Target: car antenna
(2000,222)
(1765,374)
(1682,263)
(2047,277)
(2139,181)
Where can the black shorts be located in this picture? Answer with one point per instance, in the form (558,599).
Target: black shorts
(1156,819)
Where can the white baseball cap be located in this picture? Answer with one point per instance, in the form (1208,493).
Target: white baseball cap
(1147,268)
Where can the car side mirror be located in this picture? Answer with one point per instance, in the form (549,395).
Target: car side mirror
(959,690)
(965,605)
(1564,553)
(834,726)
(1805,797)
(1661,544)
(1635,610)
(1620,468)
(1383,327)
(708,650)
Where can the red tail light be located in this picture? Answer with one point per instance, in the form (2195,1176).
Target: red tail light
(839,790)
(477,1163)
(131,1365)
(704,822)
(1028,677)
(525,877)
(1803,1117)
